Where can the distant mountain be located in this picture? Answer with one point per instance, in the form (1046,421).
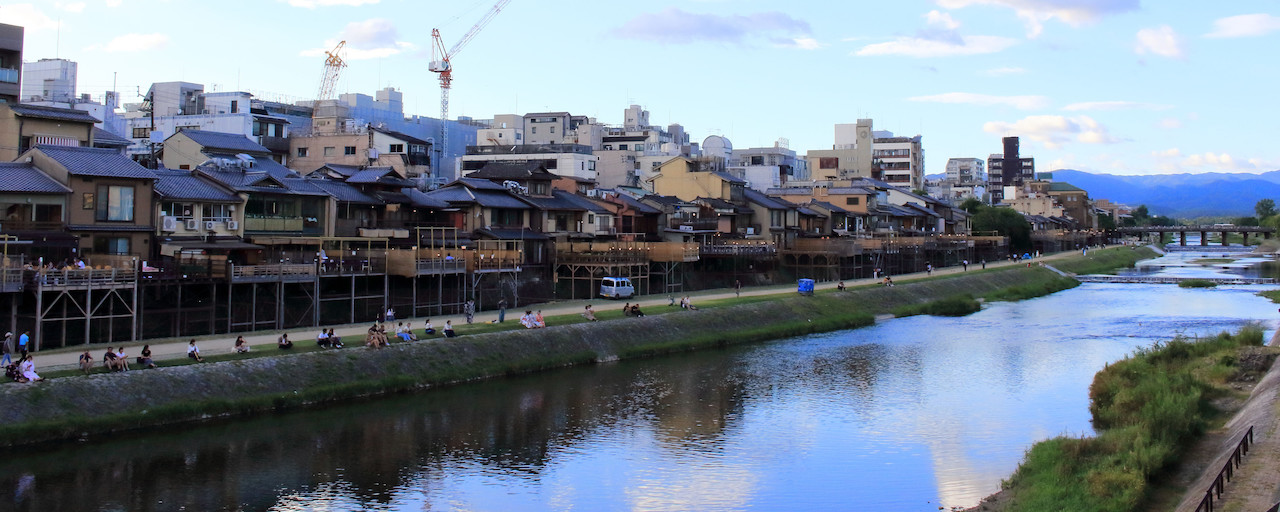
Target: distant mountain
(1180,195)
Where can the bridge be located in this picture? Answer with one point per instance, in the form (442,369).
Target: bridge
(1204,231)
(1098,278)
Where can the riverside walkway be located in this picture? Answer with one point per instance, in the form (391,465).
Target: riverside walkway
(265,341)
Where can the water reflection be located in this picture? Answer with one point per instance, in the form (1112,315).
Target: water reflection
(911,414)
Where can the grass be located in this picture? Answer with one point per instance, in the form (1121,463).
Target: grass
(1196,283)
(1146,408)
(1211,261)
(1101,261)
(1274,295)
(955,305)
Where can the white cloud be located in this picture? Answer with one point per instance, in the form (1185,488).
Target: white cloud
(676,26)
(312,4)
(74,7)
(1004,71)
(941,19)
(369,39)
(1170,123)
(1054,131)
(1035,12)
(1018,102)
(923,48)
(1114,105)
(803,43)
(28,17)
(133,43)
(1162,41)
(1173,160)
(1245,25)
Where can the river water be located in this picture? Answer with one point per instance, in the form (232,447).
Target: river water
(911,414)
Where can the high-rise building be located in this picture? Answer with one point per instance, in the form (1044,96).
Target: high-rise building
(10,62)
(1009,169)
(49,80)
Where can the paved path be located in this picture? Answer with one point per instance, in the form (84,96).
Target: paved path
(169,348)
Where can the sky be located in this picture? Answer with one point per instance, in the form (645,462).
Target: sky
(1108,86)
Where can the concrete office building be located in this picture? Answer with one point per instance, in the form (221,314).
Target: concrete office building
(49,80)
(11,37)
(1009,169)
(850,156)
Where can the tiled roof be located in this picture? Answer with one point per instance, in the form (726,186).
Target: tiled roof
(52,113)
(728,177)
(484,197)
(479,184)
(1061,186)
(829,207)
(402,136)
(25,178)
(513,171)
(636,205)
(96,162)
(341,169)
(383,175)
(421,199)
(182,185)
(261,181)
(922,209)
(220,142)
(511,234)
(342,191)
(771,203)
(563,200)
(103,138)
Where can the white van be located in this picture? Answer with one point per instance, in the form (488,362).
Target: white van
(616,288)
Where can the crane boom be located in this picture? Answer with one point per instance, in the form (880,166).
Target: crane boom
(441,64)
(333,65)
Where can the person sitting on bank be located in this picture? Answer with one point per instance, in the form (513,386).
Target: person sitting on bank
(635,310)
(193,351)
(688,304)
(144,358)
(334,340)
(448,329)
(538,322)
(322,339)
(28,369)
(241,346)
(377,337)
(430,330)
(626,309)
(109,360)
(283,342)
(86,362)
(840,286)
(589,314)
(401,332)
(122,359)
(527,319)
(408,331)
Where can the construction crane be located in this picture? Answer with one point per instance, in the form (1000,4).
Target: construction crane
(333,65)
(441,64)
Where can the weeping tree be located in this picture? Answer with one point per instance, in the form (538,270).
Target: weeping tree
(1006,222)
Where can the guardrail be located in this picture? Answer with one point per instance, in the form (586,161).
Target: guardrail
(1228,470)
(86,277)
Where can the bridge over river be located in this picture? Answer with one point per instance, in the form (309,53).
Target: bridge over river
(1165,279)
(1204,231)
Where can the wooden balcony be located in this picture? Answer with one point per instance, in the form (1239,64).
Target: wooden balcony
(286,272)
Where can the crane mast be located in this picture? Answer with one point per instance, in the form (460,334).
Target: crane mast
(442,65)
(333,65)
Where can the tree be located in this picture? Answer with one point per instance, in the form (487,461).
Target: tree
(1140,214)
(1265,208)
(1246,221)
(1106,222)
(1006,222)
(971,205)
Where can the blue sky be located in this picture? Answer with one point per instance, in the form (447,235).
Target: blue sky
(1118,86)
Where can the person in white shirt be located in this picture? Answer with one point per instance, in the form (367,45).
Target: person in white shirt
(193,351)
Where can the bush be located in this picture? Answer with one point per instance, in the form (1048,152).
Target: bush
(1197,283)
(955,305)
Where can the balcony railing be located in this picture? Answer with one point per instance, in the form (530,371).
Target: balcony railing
(273,224)
(104,278)
(9,76)
(698,224)
(289,272)
(30,225)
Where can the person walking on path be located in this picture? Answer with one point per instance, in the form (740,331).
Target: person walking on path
(502,310)
(7,348)
(966,265)
(984,263)
(737,288)
(22,342)
(469,310)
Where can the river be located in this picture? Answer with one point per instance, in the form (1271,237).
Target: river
(911,414)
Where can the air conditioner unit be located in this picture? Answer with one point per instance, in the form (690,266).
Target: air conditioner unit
(192,225)
(233,225)
(169,223)
(208,225)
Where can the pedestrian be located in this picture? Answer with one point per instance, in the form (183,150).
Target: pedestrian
(22,343)
(502,310)
(737,288)
(928,268)
(469,310)
(984,263)
(966,265)
(7,349)
(391,315)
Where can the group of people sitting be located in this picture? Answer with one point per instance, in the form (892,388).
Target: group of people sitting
(405,332)
(23,371)
(630,309)
(687,303)
(327,339)
(532,320)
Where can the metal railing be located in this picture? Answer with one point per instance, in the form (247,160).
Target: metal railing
(86,277)
(1228,470)
(440,266)
(272,272)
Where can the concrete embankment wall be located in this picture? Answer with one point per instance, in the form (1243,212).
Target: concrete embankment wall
(78,406)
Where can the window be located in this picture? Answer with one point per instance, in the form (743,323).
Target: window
(87,201)
(776,218)
(141,133)
(539,188)
(349,150)
(103,245)
(828,162)
(851,201)
(217,212)
(329,150)
(114,204)
(534,129)
(235,107)
(399,148)
(553,129)
(757,160)
(302,152)
(622,147)
(182,211)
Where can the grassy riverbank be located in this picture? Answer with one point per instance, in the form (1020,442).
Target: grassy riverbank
(1147,408)
(76,406)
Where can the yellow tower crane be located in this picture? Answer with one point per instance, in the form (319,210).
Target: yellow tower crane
(333,65)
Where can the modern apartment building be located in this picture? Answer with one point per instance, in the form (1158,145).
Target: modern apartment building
(49,80)
(900,160)
(767,167)
(1009,169)
(10,62)
(850,156)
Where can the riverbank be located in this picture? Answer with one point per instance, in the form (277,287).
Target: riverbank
(75,407)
